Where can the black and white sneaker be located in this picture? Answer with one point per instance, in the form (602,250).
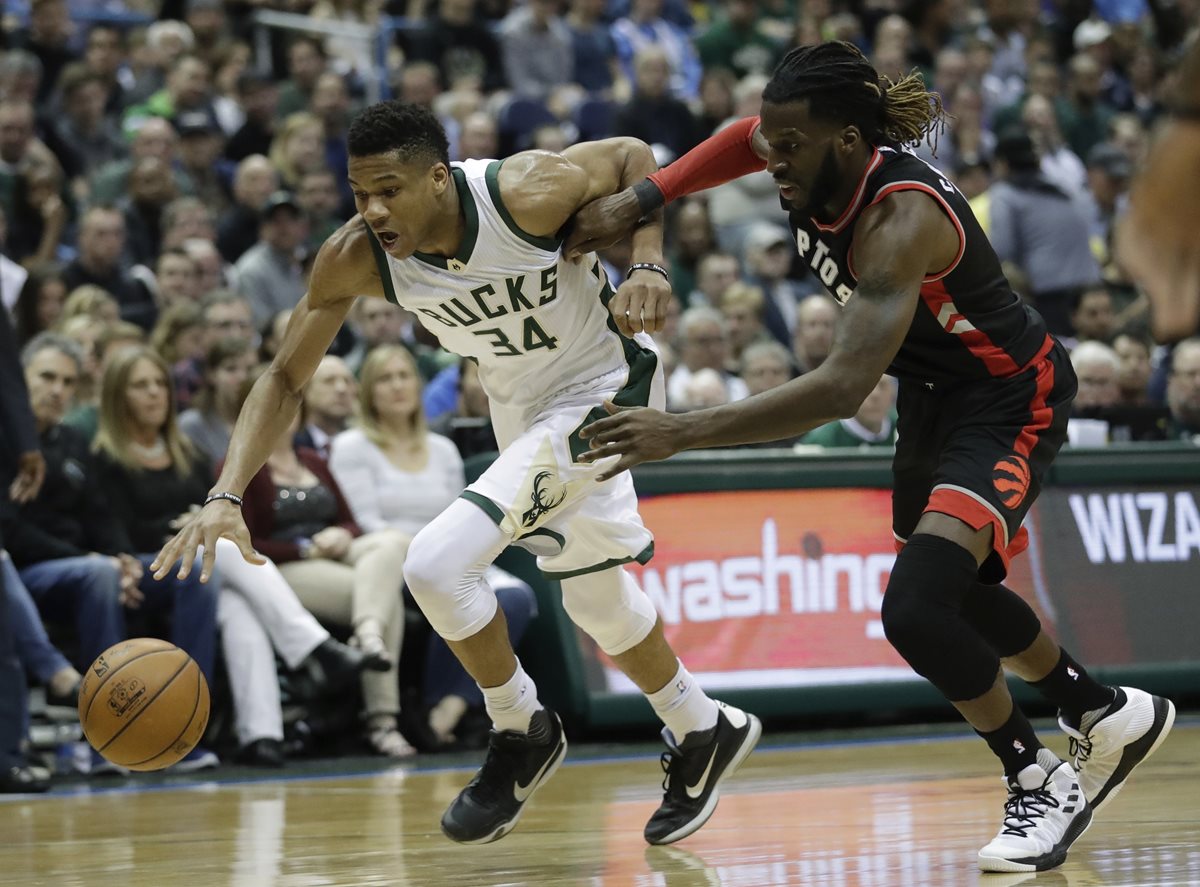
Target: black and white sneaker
(694,770)
(1108,744)
(1044,815)
(517,764)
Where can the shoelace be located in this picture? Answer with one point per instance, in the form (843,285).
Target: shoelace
(1079,749)
(1024,807)
(667,762)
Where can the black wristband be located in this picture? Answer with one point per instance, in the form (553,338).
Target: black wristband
(232,497)
(648,266)
(649,198)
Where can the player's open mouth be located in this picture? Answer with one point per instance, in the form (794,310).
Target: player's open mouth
(786,190)
(387,238)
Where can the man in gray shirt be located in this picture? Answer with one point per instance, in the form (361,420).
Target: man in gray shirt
(271,273)
(1042,230)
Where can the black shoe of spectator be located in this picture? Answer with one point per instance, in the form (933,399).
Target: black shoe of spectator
(63,706)
(21,780)
(261,753)
(334,667)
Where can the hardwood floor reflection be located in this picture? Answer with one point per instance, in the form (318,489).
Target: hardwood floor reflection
(898,814)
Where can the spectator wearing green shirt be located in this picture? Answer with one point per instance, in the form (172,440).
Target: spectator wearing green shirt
(874,425)
(736,41)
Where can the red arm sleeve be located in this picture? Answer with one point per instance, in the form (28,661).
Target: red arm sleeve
(718,159)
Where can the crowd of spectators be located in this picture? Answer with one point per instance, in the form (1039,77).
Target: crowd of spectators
(165,184)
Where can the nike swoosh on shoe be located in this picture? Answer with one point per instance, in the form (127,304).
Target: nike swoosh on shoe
(695,791)
(522,792)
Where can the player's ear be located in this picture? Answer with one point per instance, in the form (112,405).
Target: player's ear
(440,174)
(849,139)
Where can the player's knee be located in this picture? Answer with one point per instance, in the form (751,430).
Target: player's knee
(1003,618)
(427,571)
(925,593)
(611,608)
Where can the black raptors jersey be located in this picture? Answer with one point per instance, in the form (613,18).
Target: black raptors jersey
(969,323)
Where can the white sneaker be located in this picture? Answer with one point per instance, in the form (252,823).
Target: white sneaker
(1044,815)
(1106,751)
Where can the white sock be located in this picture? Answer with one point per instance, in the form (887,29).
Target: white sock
(513,704)
(683,706)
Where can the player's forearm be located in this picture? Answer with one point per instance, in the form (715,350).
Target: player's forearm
(782,413)
(728,155)
(265,417)
(646,241)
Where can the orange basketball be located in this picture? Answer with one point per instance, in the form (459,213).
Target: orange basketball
(143,704)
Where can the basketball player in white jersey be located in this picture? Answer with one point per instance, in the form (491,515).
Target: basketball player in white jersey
(473,249)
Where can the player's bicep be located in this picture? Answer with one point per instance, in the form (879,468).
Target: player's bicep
(604,162)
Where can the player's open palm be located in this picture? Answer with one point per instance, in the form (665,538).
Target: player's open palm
(217,520)
(636,434)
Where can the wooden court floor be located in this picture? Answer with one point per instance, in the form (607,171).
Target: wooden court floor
(889,813)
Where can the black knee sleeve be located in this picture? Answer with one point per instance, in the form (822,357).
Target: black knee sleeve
(1002,617)
(922,618)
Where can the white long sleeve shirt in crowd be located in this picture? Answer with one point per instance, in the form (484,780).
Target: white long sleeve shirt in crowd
(382,495)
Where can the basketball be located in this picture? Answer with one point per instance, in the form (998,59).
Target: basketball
(143,704)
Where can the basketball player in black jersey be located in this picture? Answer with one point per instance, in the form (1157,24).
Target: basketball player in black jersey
(984,398)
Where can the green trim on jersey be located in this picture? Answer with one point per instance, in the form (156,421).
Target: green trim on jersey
(642,557)
(543,531)
(636,390)
(492,177)
(466,200)
(385,272)
(490,508)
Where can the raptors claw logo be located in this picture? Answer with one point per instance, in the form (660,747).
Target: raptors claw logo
(541,503)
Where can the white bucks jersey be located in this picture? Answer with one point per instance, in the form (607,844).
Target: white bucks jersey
(535,322)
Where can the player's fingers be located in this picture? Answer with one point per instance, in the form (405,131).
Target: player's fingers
(637,306)
(600,451)
(626,462)
(660,313)
(169,554)
(602,429)
(247,549)
(208,559)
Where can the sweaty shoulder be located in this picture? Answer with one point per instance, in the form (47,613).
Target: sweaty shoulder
(541,190)
(905,228)
(345,267)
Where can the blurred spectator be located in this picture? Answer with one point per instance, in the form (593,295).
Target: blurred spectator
(319,200)
(742,307)
(469,425)
(234,60)
(593,48)
(716,100)
(1092,315)
(179,334)
(1041,229)
(258,97)
(12,275)
(297,517)
(212,272)
(397,475)
(208,423)
(151,188)
(306,60)
(328,404)
(254,181)
(155,138)
(18,149)
(43,213)
(104,54)
(652,114)
(704,344)
(77,554)
(1183,391)
(93,302)
(479,137)
(462,46)
(645,27)
(769,250)
(226,314)
(538,50)
(766,365)
(298,147)
(270,274)
(271,336)
(693,240)
(331,105)
(1059,164)
(376,322)
(200,150)
(175,279)
(48,38)
(188,88)
(1133,379)
(704,388)
(873,425)
(101,244)
(85,125)
(210,28)
(737,42)
(420,83)
(715,273)
(40,302)
(1108,175)
(186,218)
(1098,368)
(1083,114)
(816,323)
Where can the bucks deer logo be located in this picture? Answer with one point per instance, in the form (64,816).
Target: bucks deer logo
(542,501)
(1010,477)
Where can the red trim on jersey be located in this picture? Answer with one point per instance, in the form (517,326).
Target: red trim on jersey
(910,185)
(848,213)
(998,362)
(977,516)
(1040,413)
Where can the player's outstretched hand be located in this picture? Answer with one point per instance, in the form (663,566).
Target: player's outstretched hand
(1156,239)
(640,303)
(637,434)
(216,520)
(602,223)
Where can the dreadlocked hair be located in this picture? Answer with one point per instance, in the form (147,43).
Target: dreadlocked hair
(396,126)
(840,85)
